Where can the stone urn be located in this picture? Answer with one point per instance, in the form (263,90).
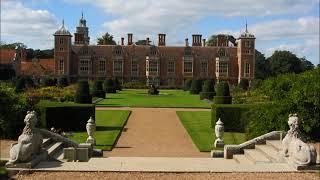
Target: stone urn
(91,128)
(219,130)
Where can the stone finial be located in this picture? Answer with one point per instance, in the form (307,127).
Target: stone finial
(219,130)
(91,128)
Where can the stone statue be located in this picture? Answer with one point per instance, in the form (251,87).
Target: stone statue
(219,130)
(294,147)
(91,128)
(29,142)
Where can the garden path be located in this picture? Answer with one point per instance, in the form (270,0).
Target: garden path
(155,132)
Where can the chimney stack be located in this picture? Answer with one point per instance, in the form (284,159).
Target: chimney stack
(162,40)
(186,42)
(196,40)
(147,41)
(203,42)
(122,41)
(130,38)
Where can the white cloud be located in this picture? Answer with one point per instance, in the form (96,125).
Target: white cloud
(172,17)
(32,27)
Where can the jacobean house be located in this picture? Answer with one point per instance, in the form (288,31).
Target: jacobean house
(160,65)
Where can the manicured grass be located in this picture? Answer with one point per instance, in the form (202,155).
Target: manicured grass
(166,98)
(198,125)
(109,126)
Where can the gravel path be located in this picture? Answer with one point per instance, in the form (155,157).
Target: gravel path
(155,132)
(166,176)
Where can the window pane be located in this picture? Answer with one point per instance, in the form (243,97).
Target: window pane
(187,67)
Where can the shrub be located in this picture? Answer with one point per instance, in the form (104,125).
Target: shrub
(117,84)
(187,85)
(153,90)
(63,81)
(68,116)
(20,84)
(223,94)
(244,84)
(207,90)
(232,115)
(47,81)
(134,85)
(109,86)
(13,109)
(195,86)
(97,90)
(290,93)
(82,94)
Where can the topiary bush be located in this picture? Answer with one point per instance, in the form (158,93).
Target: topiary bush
(24,82)
(153,90)
(117,84)
(109,86)
(83,94)
(97,90)
(244,84)
(187,85)
(195,86)
(207,90)
(47,81)
(63,81)
(223,94)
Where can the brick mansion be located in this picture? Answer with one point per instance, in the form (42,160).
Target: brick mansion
(158,64)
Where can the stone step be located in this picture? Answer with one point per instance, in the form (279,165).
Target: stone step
(241,159)
(256,156)
(53,148)
(46,142)
(277,144)
(58,155)
(269,151)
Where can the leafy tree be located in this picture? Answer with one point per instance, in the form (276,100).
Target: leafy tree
(212,41)
(262,69)
(306,65)
(4,45)
(83,94)
(284,62)
(106,39)
(142,42)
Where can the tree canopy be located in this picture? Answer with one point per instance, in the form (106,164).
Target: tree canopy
(212,41)
(106,39)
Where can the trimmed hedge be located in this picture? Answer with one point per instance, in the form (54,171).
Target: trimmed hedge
(83,93)
(63,82)
(207,90)
(98,91)
(244,84)
(67,116)
(223,94)
(187,85)
(196,86)
(117,84)
(109,86)
(232,115)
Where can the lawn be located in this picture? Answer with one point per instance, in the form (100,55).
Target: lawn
(198,125)
(109,126)
(140,98)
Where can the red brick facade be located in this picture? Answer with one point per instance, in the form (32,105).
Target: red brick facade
(162,64)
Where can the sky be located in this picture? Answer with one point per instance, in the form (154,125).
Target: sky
(277,24)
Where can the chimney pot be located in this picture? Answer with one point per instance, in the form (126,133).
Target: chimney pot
(130,38)
(161,39)
(122,41)
(203,42)
(147,41)
(186,42)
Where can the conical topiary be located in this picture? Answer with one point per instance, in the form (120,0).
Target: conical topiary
(83,94)
(223,94)
(207,90)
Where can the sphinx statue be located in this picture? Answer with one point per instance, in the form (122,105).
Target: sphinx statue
(29,142)
(294,147)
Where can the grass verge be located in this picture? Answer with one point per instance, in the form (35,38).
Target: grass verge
(198,126)
(109,127)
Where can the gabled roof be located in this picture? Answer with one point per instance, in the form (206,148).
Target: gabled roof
(37,67)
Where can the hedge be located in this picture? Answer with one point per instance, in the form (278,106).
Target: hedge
(196,86)
(67,116)
(232,115)
(222,99)
(187,85)
(109,86)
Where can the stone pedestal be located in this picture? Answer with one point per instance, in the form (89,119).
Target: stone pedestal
(219,143)
(219,131)
(91,128)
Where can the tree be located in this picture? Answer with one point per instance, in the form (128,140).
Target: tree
(106,39)
(262,69)
(305,64)
(142,42)
(212,41)
(284,62)
(4,45)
